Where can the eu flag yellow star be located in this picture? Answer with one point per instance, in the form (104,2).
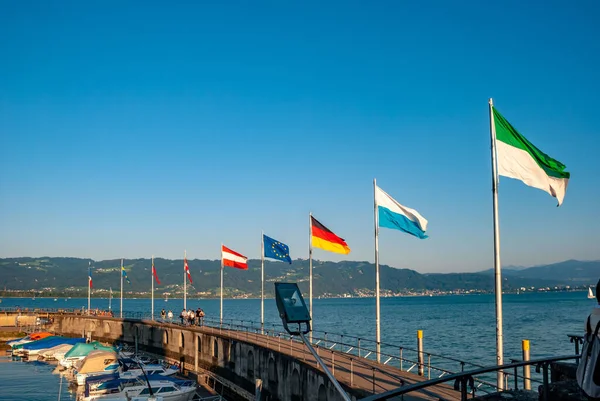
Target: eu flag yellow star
(276,250)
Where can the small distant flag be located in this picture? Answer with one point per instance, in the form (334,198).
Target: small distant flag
(90,274)
(276,250)
(231,258)
(124,273)
(187,270)
(324,238)
(154,272)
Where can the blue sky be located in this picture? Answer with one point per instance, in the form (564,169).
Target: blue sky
(137,128)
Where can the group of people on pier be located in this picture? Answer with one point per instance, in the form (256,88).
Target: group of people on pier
(97,312)
(164,316)
(191,317)
(188,317)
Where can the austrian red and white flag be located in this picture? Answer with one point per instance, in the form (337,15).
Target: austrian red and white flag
(233,259)
(154,272)
(187,269)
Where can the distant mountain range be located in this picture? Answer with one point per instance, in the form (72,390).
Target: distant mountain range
(570,272)
(330,279)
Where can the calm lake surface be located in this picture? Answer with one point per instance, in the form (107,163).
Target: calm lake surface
(459,326)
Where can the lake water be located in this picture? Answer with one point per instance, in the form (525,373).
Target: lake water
(31,381)
(462,327)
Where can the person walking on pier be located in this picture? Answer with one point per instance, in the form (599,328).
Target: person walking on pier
(183,316)
(199,316)
(163,314)
(191,315)
(170,316)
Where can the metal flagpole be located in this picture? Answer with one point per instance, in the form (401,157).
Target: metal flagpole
(378,307)
(262,282)
(497,270)
(121,271)
(184,280)
(310,271)
(152,274)
(221,321)
(89,285)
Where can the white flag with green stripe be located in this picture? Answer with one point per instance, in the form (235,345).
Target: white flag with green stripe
(520,159)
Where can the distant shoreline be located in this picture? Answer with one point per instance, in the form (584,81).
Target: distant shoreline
(426,295)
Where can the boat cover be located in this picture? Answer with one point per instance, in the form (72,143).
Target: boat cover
(50,342)
(98,361)
(82,349)
(29,338)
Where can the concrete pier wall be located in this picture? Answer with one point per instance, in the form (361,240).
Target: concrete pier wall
(197,348)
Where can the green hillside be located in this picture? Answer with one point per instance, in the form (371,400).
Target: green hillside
(330,279)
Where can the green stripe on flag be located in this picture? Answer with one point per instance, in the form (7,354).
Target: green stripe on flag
(510,136)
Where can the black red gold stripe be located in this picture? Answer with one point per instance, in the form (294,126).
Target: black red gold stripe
(324,238)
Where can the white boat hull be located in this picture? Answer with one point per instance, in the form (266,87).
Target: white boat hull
(69,362)
(183,394)
(82,377)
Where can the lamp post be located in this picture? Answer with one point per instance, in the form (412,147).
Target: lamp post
(293,311)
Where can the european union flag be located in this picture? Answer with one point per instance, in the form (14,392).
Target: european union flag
(276,250)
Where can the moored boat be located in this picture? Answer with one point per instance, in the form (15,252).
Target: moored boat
(20,349)
(49,354)
(110,384)
(80,351)
(34,348)
(94,364)
(169,390)
(133,371)
(27,339)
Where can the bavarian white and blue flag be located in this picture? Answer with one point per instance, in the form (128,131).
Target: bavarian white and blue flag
(397,217)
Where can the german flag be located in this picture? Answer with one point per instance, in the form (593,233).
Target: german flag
(324,238)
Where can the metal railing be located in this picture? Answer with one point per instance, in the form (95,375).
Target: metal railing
(357,346)
(351,351)
(359,349)
(351,347)
(211,380)
(407,358)
(577,339)
(32,311)
(465,380)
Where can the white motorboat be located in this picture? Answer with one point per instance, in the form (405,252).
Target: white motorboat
(95,364)
(54,352)
(151,369)
(34,349)
(140,398)
(28,339)
(80,351)
(109,384)
(167,389)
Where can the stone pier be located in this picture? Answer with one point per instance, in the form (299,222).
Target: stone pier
(286,368)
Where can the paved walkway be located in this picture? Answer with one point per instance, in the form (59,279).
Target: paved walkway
(351,370)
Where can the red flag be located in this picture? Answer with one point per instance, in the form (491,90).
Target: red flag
(154,273)
(233,259)
(187,270)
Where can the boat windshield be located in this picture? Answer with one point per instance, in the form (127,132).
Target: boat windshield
(167,389)
(146,391)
